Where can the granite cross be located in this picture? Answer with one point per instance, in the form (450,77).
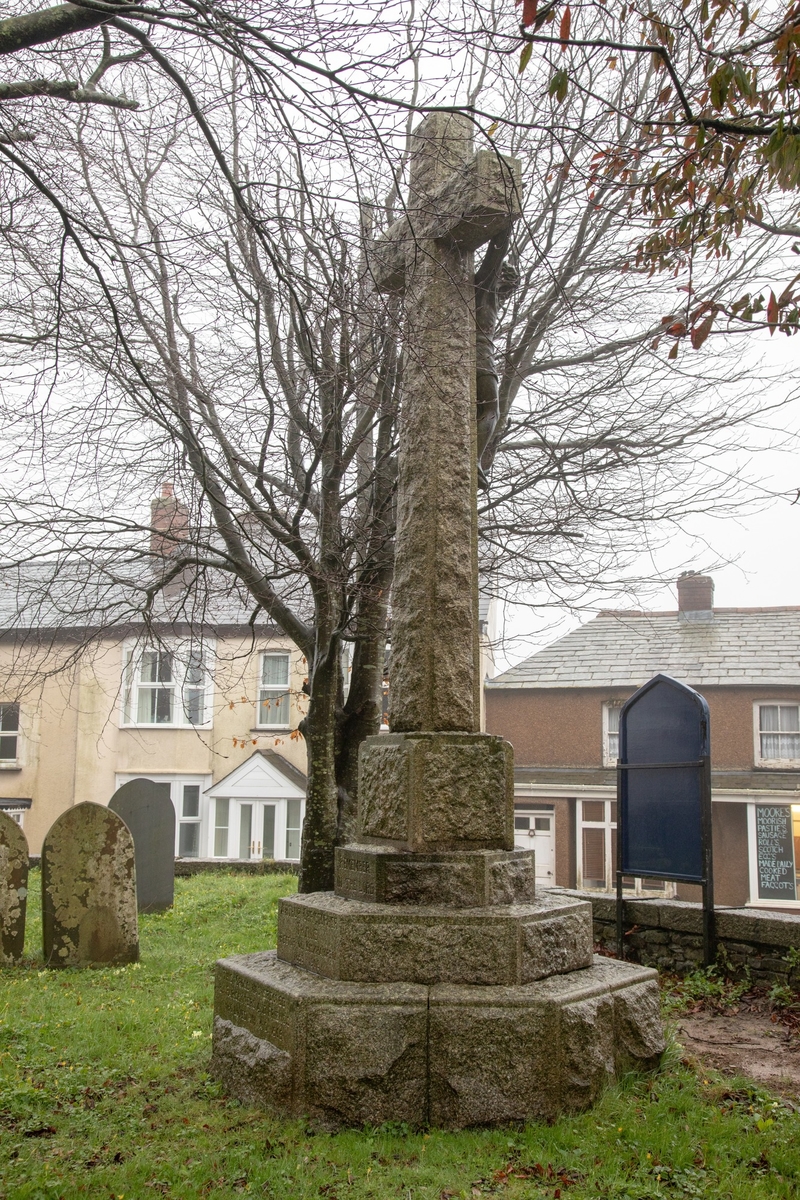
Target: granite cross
(458,200)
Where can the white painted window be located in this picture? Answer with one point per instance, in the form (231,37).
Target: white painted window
(611,713)
(9,732)
(597,837)
(16,814)
(294,828)
(777,729)
(221,825)
(597,853)
(189,820)
(273,691)
(191,810)
(168,687)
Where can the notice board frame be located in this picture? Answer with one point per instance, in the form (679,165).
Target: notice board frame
(702,765)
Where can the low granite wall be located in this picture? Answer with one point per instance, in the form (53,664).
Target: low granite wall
(240,866)
(668,934)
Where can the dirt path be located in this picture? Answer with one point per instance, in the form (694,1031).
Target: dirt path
(745,1043)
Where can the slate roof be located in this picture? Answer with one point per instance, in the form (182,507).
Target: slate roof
(737,646)
(75,595)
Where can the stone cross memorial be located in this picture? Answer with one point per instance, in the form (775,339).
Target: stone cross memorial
(433,986)
(148,811)
(13,890)
(89,890)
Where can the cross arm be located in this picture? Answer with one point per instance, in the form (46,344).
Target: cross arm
(473,206)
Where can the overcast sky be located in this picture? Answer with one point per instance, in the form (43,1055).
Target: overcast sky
(754,558)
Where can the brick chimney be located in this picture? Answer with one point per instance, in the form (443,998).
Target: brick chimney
(169,522)
(695,596)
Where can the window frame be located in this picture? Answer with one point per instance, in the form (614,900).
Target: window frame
(275,690)
(182,653)
(177,780)
(755,901)
(774,763)
(609,824)
(608,705)
(181,819)
(10,764)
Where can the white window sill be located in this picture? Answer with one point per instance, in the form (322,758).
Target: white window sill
(272,729)
(188,728)
(794,904)
(10,764)
(778,764)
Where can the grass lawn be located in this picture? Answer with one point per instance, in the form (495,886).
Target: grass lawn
(104,1092)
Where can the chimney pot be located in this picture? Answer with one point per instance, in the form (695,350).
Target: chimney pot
(169,522)
(695,593)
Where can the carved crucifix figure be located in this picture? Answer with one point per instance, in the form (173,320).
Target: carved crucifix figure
(458,201)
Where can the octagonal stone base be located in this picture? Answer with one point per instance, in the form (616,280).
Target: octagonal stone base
(387,943)
(449,1055)
(459,879)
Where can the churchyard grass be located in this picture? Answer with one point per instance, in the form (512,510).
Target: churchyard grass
(104,1092)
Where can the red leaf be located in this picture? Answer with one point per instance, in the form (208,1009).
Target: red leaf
(772,311)
(566,21)
(529,8)
(701,331)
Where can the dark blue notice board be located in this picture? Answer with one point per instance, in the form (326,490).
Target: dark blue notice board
(662,805)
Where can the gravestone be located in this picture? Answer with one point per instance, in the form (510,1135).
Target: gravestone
(89,890)
(13,889)
(433,986)
(148,811)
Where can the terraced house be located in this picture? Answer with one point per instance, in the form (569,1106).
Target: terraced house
(201,696)
(560,710)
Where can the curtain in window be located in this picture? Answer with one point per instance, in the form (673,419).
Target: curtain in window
(780,731)
(156,689)
(273,703)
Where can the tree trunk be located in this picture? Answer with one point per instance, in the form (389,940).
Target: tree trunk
(319,731)
(360,718)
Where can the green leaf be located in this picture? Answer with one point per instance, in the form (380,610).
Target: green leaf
(558,86)
(719,85)
(525,56)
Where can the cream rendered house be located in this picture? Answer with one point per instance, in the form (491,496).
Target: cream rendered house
(207,701)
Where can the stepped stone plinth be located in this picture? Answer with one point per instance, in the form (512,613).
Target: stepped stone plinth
(433,985)
(382,943)
(462,879)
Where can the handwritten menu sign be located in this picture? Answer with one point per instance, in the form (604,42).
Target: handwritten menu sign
(775,852)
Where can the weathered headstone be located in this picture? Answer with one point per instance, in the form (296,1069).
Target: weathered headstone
(89,889)
(148,811)
(13,889)
(432,986)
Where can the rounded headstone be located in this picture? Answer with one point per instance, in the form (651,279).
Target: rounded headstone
(147,810)
(13,889)
(89,889)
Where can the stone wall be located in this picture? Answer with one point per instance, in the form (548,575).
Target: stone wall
(238,866)
(668,934)
(185,867)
